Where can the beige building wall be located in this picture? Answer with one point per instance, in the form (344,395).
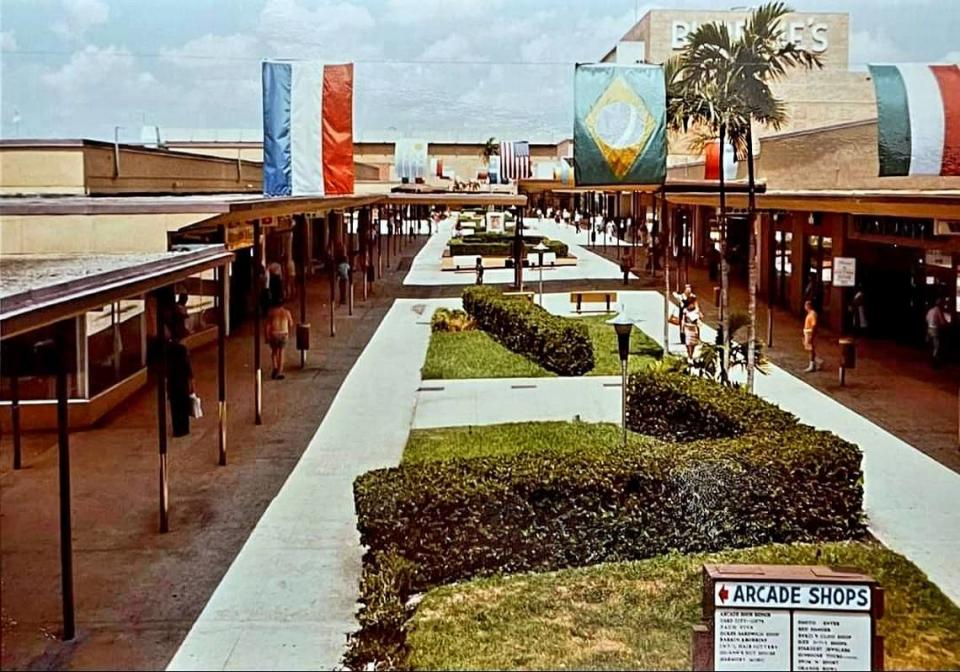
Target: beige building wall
(843,157)
(41,171)
(93,234)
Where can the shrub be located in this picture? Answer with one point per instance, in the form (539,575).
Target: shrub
(771,481)
(501,245)
(684,408)
(557,344)
(455,519)
(445,319)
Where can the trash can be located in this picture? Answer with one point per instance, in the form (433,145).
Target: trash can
(303,337)
(848,353)
(848,357)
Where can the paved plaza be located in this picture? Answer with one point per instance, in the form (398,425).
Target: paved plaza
(297,618)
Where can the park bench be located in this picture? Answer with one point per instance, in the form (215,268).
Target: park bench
(465,261)
(591,298)
(521,295)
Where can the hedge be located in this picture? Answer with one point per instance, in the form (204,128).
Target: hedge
(557,344)
(777,481)
(684,408)
(501,245)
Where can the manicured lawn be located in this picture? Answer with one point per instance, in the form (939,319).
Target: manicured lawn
(425,445)
(474,354)
(643,349)
(637,615)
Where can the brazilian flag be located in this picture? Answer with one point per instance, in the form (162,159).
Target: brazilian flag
(619,133)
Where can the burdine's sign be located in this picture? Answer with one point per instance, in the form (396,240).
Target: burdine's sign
(810,34)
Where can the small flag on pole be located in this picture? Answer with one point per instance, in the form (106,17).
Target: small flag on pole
(918,119)
(307,128)
(515,160)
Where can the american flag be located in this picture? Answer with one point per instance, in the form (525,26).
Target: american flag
(515,160)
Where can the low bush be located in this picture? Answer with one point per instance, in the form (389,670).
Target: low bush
(456,320)
(456,519)
(501,245)
(683,408)
(557,344)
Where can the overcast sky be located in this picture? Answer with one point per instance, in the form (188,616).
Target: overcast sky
(77,68)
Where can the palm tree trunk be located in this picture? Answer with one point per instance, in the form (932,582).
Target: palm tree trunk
(751,263)
(724,263)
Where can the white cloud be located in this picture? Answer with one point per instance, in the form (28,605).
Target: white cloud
(100,74)
(874,47)
(410,12)
(951,57)
(331,29)
(8,42)
(214,51)
(453,47)
(79,16)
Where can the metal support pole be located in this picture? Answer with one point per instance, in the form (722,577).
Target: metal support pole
(302,278)
(222,365)
(258,286)
(162,416)
(63,443)
(663,233)
(623,400)
(15,418)
(333,272)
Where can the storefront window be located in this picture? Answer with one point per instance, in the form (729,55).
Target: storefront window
(114,343)
(31,358)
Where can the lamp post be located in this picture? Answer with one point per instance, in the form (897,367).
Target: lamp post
(540,249)
(623,326)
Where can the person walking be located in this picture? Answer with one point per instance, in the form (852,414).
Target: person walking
(810,337)
(343,273)
(276,332)
(690,325)
(937,322)
(858,307)
(685,301)
(479,269)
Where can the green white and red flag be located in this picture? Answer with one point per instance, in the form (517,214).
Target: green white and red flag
(918,118)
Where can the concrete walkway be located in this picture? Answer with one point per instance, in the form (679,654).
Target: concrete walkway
(911,500)
(288,600)
(426,268)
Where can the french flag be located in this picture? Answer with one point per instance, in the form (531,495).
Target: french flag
(307,128)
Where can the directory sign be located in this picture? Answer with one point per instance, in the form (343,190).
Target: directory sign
(785,617)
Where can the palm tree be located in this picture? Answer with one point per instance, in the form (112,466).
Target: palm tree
(765,56)
(731,79)
(490,148)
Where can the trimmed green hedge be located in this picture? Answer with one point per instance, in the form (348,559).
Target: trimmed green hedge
(557,344)
(501,245)
(772,481)
(685,408)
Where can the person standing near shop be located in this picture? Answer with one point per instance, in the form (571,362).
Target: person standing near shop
(180,389)
(810,337)
(690,324)
(276,333)
(937,323)
(479,269)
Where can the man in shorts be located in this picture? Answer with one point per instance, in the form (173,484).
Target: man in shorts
(277,331)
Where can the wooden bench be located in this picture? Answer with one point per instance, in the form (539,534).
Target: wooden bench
(521,295)
(581,298)
(465,261)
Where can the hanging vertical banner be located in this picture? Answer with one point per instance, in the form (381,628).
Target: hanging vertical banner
(918,119)
(619,133)
(307,128)
(410,159)
(711,161)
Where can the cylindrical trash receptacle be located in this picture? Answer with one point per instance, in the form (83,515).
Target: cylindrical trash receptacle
(848,353)
(303,337)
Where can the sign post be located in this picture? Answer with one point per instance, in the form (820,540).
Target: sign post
(786,617)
